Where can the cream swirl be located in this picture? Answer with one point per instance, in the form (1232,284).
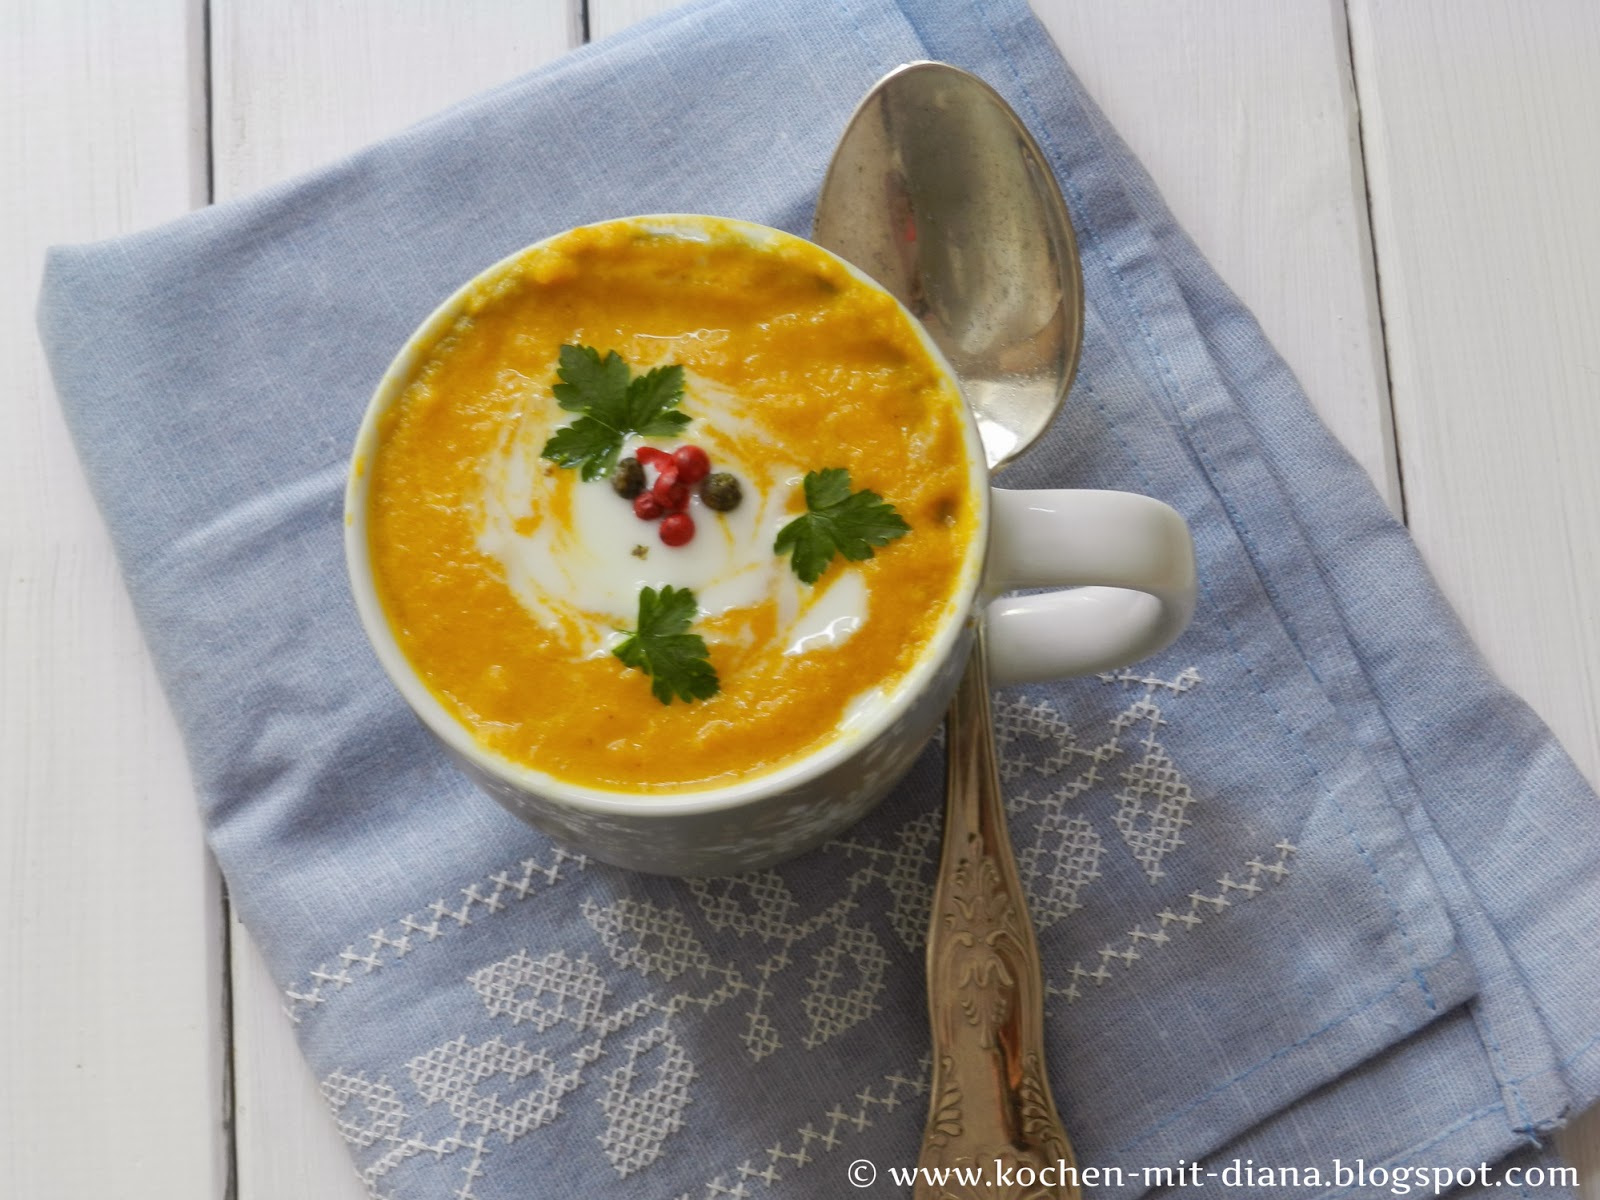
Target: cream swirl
(570,550)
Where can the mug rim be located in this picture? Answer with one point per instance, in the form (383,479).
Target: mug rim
(746,789)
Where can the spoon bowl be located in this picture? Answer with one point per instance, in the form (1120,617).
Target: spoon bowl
(938,192)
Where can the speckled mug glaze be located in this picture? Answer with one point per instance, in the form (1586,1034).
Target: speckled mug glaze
(765,818)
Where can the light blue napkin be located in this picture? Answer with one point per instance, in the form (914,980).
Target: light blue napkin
(1311,885)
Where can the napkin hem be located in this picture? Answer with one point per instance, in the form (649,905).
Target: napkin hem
(1388,850)
(1390,1009)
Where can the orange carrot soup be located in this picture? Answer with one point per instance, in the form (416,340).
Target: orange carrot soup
(669,505)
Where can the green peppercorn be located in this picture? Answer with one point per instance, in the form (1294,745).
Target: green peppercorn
(627,478)
(721,492)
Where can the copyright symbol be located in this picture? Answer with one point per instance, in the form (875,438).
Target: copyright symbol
(862,1173)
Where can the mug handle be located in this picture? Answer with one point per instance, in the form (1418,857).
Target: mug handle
(1128,560)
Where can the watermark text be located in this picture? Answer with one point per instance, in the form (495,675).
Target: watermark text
(1234,1175)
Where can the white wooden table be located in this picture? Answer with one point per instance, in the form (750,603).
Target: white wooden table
(1402,190)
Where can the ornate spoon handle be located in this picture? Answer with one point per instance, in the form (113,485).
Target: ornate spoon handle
(990,1109)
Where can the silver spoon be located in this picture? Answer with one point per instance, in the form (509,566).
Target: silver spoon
(938,192)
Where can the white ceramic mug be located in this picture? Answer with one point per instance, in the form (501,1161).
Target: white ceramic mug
(1127,562)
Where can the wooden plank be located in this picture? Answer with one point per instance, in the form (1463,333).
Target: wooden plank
(299,83)
(612,16)
(295,85)
(1251,137)
(1479,118)
(111,1014)
(287,1143)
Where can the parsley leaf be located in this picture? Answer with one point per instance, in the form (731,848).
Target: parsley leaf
(836,520)
(652,398)
(588,379)
(677,661)
(612,406)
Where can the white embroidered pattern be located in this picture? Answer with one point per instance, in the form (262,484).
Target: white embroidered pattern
(1061,863)
(847,976)
(504,1088)
(383,1124)
(1139,941)
(818,1137)
(1032,737)
(1150,809)
(654,941)
(381,1111)
(830,1005)
(450,1075)
(390,944)
(541,990)
(814,964)
(639,1119)
(1151,806)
